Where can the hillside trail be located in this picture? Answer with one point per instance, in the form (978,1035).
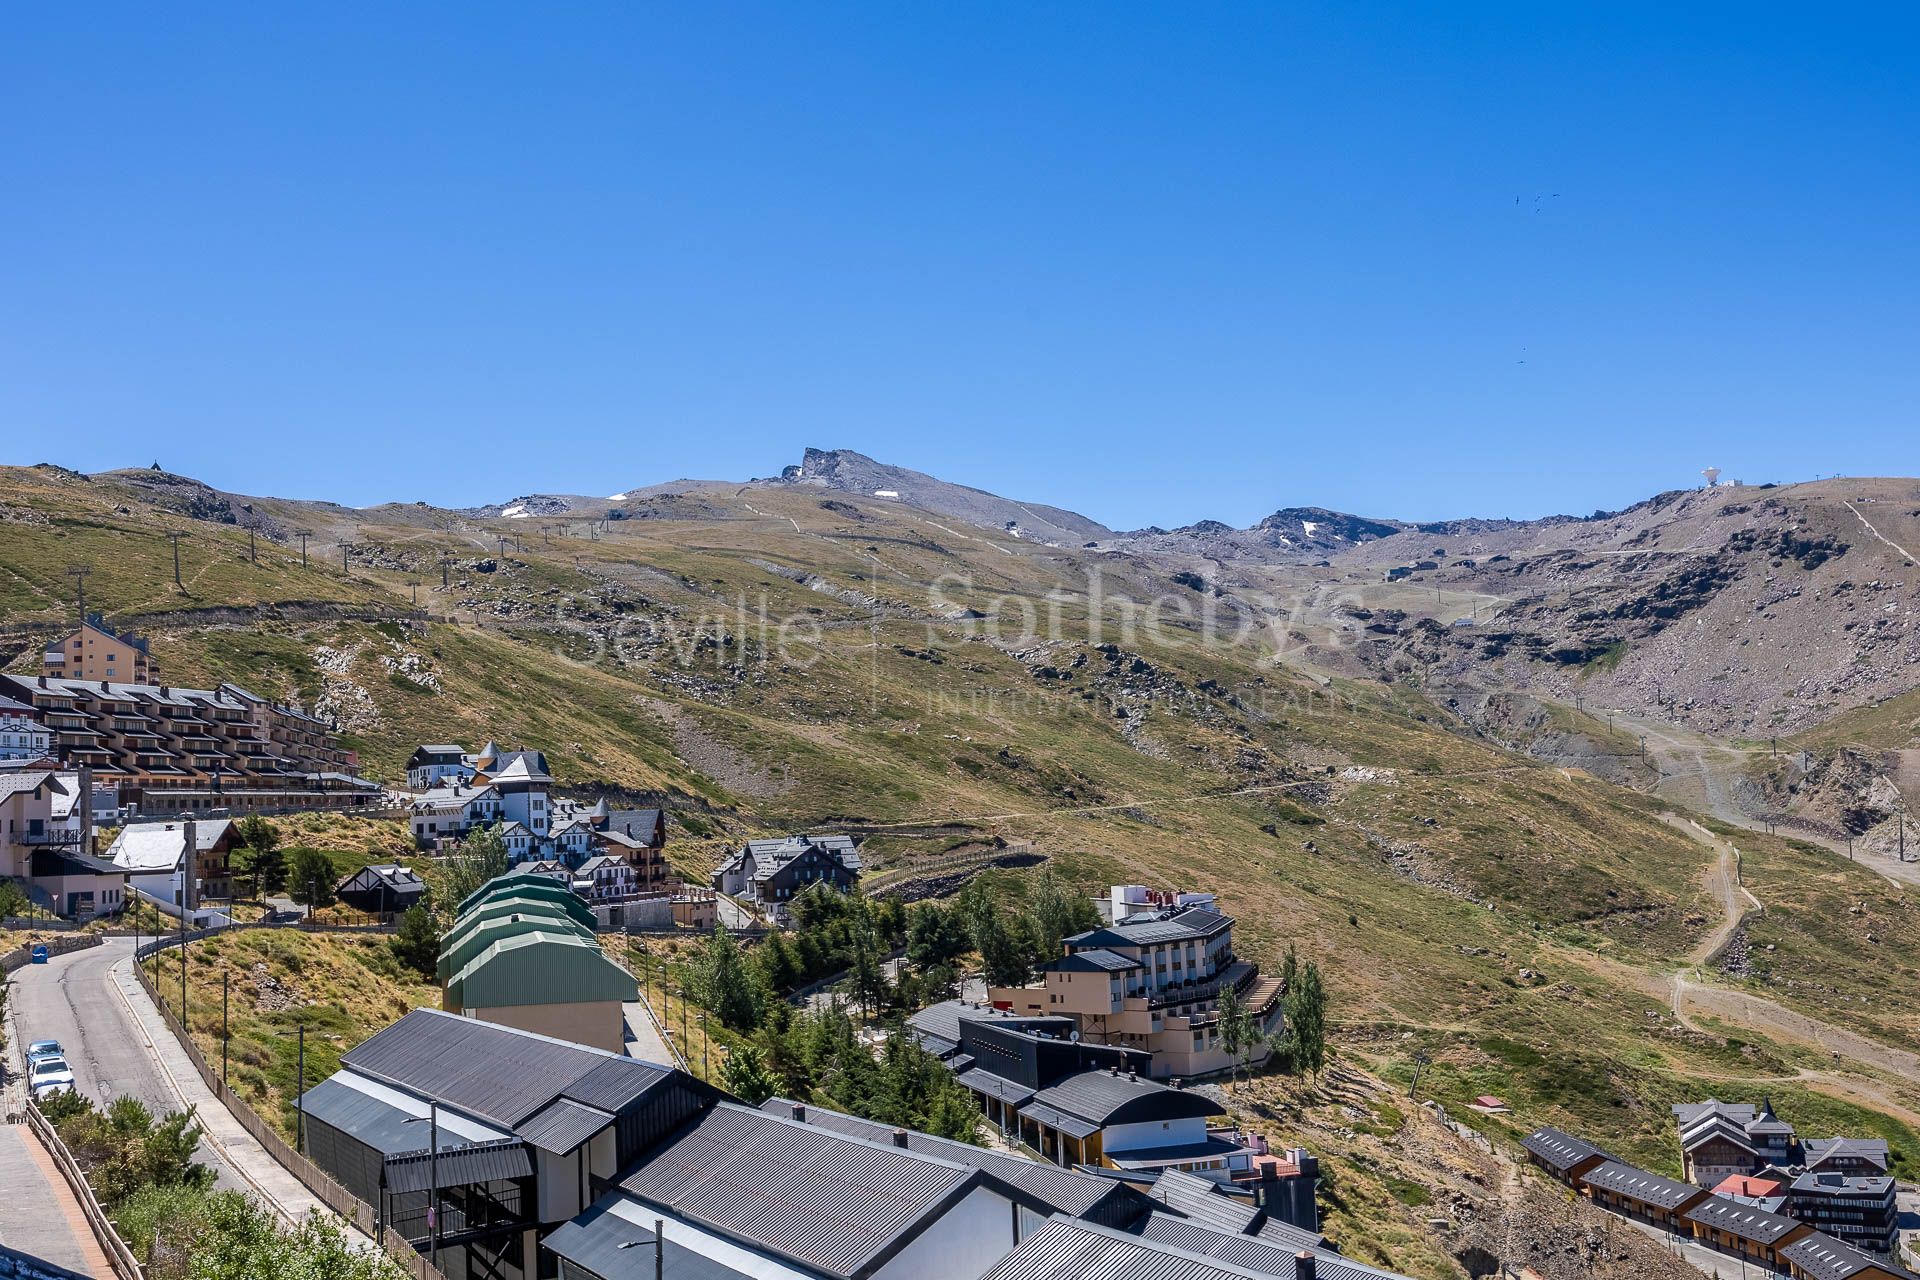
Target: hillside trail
(1868,526)
(1723,882)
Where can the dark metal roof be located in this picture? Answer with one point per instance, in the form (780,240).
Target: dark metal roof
(1053,1118)
(1743,1221)
(1822,1257)
(1153,930)
(1638,1184)
(475,1163)
(1560,1151)
(1820,1150)
(1104,1098)
(1264,1255)
(813,1197)
(496,1073)
(370,1121)
(1092,960)
(983,1081)
(613,1248)
(1061,1190)
(561,1126)
(1069,1250)
(1201,1199)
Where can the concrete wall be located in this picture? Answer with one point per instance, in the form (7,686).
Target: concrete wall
(596,1022)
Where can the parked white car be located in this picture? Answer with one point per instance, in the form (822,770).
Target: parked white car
(49,1076)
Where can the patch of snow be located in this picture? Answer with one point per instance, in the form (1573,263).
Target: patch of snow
(616,497)
(515,513)
(1309,526)
(886,493)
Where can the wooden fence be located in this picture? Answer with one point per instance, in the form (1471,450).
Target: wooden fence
(125,1265)
(311,1176)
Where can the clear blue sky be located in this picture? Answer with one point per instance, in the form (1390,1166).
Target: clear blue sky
(1155,263)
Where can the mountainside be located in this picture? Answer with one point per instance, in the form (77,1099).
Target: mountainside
(849,472)
(792,655)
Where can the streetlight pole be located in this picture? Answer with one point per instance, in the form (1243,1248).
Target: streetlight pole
(224,975)
(300,1097)
(703,1045)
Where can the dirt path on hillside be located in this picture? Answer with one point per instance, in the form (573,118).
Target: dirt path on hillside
(1868,526)
(1723,882)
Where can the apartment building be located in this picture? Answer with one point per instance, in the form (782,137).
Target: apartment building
(1152,980)
(22,735)
(97,652)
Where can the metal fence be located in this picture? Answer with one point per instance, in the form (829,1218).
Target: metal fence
(311,1175)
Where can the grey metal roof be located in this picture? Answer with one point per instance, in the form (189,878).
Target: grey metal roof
(1638,1184)
(1559,1150)
(474,1163)
(368,1120)
(1093,959)
(1813,1182)
(1053,1118)
(983,1081)
(1155,929)
(1822,1257)
(1068,1250)
(813,1197)
(1062,1190)
(561,1126)
(1819,1150)
(606,1244)
(1264,1255)
(497,1073)
(1200,1198)
(1105,1098)
(1743,1221)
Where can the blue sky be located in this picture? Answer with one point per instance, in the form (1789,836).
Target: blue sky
(1153,262)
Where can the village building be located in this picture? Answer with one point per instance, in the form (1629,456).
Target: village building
(432,764)
(1567,1158)
(1751,1189)
(537,967)
(97,652)
(1721,1139)
(1743,1231)
(22,735)
(180,863)
(1821,1257)
(1858,1209)
(171,750)
(385,889)
(447,812)
(770,872)
(1152,980)
(1074,1102)
(1646,1197)
(1864,1156)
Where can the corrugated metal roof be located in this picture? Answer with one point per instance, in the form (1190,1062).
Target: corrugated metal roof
(1092,959)
(983,1081)
(1824,1258)
(613,1248)
(542,967)
(478,1162)
(366,1119)
(615,1082)
(816,1198)
(1068,1250)
(496,1073)
(1061,1190)
(1558,1150)
(561,1126)
(1743,1221)
(1264,1255)
(1638,1184)
(1105,1098)
(1202,1200)
(1053,1118)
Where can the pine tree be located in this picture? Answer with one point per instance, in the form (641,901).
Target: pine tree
(726,989)
(745,1076)
(1307,1019)
(312,878)
(417,944)
(1002,957)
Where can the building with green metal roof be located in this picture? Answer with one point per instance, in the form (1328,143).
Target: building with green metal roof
(523,954)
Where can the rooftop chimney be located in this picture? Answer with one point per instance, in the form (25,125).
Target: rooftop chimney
(800,1112)
(899,1137)
(1303,1266)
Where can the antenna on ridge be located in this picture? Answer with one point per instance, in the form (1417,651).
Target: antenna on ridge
(1712,474)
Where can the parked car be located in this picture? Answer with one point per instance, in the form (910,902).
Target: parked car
(44,1049)
(49,1076)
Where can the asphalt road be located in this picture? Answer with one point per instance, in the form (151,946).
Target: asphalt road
(73,999)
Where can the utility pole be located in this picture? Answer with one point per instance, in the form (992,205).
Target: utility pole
(343,557)
(415,584)
(79,572)
(1420,1061)
(174,538)
(304,535)
(224,975)
(253,548)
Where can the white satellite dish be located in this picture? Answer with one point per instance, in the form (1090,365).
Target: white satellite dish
(1712,474)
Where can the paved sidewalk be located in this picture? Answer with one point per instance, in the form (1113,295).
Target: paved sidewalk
(267,1178)
(39,1215)
(643,1037)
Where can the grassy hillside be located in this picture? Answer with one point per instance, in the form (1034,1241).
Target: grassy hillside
(784,658)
